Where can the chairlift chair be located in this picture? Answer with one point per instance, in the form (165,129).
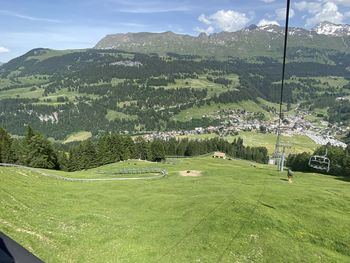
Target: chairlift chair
(320,162)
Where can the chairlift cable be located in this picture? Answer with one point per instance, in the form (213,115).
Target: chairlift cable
(283,66)
(277,153)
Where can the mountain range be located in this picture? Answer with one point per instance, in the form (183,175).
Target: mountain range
(251,41)
(140,82)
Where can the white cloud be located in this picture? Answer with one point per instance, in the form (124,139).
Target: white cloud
(347,14)
(281,13)
(265,22)
(311,7)
(268,1)
(321,11)
(341,2)
(208,30)
(229,20)
(204,20)
(4,50)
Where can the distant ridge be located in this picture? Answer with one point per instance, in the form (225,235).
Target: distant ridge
(251,41)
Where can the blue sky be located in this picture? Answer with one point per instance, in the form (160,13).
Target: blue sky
(70,24)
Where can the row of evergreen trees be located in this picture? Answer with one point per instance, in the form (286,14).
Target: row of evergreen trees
(339,158)
(114,147)
(34,150)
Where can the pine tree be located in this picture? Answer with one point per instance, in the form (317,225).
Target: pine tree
(181,147)
(142,150)
(63,161)
(104,151)
(87,155)
(128,148)
(7,154)
(171,149)
(30,133)
(117,147)
(346,165)
(40,153)
(158,151)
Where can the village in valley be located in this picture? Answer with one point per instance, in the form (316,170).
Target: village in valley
(234,121)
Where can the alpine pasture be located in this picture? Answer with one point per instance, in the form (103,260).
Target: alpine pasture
(235,211)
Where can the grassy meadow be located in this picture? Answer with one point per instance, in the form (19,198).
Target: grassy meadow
(78,136)
(236,211)
(298,143)
(199,112)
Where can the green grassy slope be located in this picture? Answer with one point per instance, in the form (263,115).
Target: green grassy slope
(298,143)
(234,212)
(199,112)
(78,136)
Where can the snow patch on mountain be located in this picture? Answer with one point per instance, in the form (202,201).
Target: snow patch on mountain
(330,29)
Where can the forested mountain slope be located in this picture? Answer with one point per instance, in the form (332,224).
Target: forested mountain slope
(97,90)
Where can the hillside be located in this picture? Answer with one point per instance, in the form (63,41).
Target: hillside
(234,210)
(63,92)
(252,41)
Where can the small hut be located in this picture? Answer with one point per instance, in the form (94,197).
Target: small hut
(220,155)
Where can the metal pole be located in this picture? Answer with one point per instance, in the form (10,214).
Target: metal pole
(277,149)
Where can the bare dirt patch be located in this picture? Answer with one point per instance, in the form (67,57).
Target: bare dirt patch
(192,173)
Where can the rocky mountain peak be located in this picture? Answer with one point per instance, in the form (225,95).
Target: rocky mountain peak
(331,29)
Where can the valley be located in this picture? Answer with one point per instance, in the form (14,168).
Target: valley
(203,131)
(63,92)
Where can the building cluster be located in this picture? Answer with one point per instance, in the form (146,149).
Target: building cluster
(324,140)
(126,63)
(235,121)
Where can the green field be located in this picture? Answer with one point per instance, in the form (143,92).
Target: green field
(298,143)
(25,93)
(38,93)
(113,115)
(199,112)
(235,212)
(78,136)
(49,53)
(203,83)
(333,82)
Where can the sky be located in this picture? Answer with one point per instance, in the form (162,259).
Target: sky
(72,24)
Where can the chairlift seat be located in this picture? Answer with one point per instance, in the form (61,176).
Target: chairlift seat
(319,162)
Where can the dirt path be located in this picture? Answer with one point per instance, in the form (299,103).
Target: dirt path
(162,173)
(190,173)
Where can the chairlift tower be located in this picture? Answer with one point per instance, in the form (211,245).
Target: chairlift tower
(280,153)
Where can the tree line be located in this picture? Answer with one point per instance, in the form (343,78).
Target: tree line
(34,150)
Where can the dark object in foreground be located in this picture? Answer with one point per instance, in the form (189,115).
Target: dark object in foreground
(290,175)
(12,252)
